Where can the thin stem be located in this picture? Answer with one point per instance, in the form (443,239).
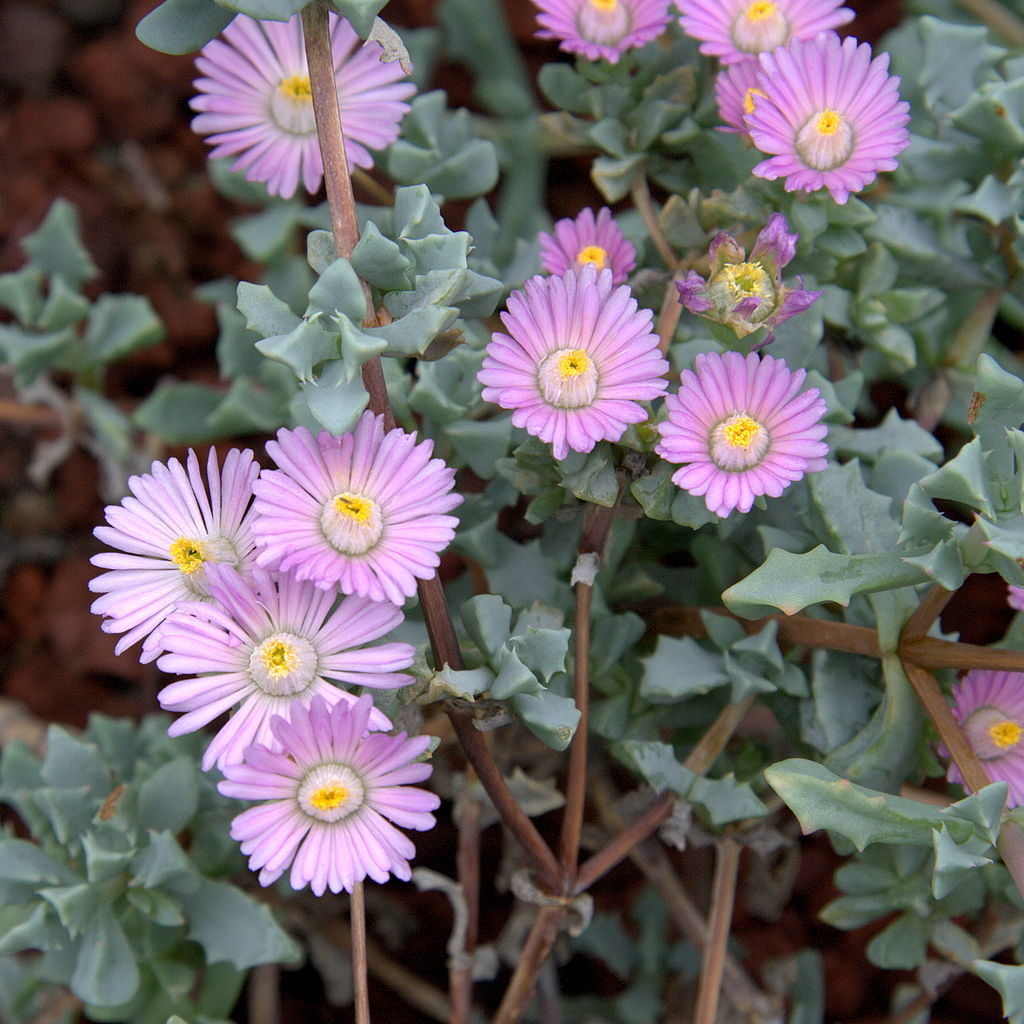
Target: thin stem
(1011,839)
(323,85)
(543,861)
(357,912)
(576,787)
(41,416)
(998,17)
(264,994)
(931,652)
(642,201)
(460,973)
(723,895)
(926,614)
(370,185)
(535,952)
(699,760)
(669,314)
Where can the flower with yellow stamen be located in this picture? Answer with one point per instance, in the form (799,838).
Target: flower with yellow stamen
(588,240)
(601,28)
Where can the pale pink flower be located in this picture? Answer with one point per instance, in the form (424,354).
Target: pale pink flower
(588,240)
(601,28)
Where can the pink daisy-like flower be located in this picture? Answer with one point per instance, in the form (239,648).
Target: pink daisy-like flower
(831,116)
(601,28)
(1015,597)
(588,240)
(742,428)
(578,360)
(363,512)
(271,647)
(333,794)
(990,709)
(737,89)
(167,531)
(734,30)
(255,100)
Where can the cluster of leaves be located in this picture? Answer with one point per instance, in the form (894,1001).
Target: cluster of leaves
(124,886)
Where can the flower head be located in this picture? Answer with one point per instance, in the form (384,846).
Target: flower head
(270,647)
(990,709)
(363,512)
(742,428)
(578,359)
(588,240)
(601,28)
(332,794)
(743,293)
(737,89)
(255,100)
(167,532)
(734,30)
(831,116)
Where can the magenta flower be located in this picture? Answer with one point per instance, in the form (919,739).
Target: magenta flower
(748,294)
(578,360)
(255,100)
(271,647)
(333,794)
(741,427)
(601,28)
(363,512)
(832,117)
(990,709)
(1015,597)
(588,240)
(733,30)
(737,89)
(166,534)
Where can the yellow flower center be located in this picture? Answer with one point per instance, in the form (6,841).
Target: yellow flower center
(760,9)
(605,5)
(738,443)
(1005,734)
(297,87)
(352,522)
(283,664)
(829,122)
(354,506)
(746,279)
(573,363)
(826,140)
(593,254)
(741,432)
(567,379)
(279,658)
(187,555)
(328,797)
(331,792)
(748,99)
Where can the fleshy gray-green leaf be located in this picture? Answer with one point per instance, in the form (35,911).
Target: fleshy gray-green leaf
(182,26)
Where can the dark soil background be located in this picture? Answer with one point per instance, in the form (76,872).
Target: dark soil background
(88,113)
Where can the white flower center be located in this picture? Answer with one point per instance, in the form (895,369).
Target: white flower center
(568,378)
(991,733)
(592,254)
(738,443)
(825,141)
(190,555)
(291,106)
(283,664)
(760,26)
(352,523)
(331,792)
(604,21)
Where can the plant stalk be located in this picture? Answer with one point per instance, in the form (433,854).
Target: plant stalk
(723,896)
(460,971)
(358,923)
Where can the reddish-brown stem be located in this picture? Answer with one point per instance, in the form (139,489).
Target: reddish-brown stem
(926,614)
(357,911)
(41,416)
(576,786)
(930,652)
(263,994)
(542,860)
(699,760)
(538,945)
(723,894)
(460,971)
